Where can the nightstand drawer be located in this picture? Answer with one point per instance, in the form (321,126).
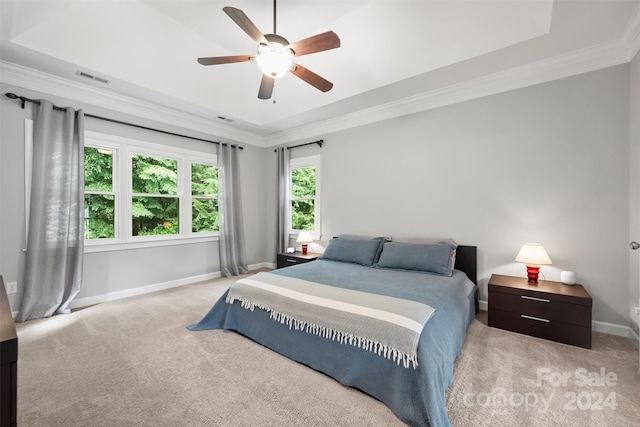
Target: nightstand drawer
(546,309)
(541,328)
(541,306)
(287,260)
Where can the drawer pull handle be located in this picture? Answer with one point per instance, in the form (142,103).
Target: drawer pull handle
(535,299)
(292,260)
(524,316)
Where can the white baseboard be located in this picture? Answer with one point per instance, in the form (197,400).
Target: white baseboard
(270,265)
(611,328)
(597,326)
(112,296)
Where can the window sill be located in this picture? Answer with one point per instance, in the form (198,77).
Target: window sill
(94,247)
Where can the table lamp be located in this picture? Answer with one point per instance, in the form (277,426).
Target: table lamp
(304,237)
(533,255)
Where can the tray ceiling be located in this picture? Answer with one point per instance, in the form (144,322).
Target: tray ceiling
(391,50)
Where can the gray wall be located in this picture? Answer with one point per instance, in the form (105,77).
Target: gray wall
(547,164)
(634,190)
(113,271)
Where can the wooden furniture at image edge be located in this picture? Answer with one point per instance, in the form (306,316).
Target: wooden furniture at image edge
(8,362)
(287,260)
(549,310)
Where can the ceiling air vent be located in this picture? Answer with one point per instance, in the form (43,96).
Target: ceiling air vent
(92,77)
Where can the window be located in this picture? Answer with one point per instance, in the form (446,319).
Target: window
(155,203)
(304,196)
(99,193)
(204,198)
(138,193)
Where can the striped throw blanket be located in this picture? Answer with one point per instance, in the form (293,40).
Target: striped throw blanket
(388,326)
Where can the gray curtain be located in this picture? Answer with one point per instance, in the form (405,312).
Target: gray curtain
(55,241)
(282,183)
(232,248)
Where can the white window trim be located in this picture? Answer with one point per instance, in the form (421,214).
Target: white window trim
(123,148)
(302,162)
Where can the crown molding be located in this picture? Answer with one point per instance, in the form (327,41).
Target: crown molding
(631,35)
(578,62)
(28,78)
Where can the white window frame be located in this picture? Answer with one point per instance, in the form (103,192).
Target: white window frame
(123,148)
(116,186)
(298,163)
(189,192)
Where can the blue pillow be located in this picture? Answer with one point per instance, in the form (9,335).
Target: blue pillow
(435,258)
(363,252)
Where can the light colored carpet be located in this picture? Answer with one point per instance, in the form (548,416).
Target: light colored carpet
(509,379)
(133,363)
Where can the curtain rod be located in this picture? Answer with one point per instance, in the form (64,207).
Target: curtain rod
(106,119)
(319,142)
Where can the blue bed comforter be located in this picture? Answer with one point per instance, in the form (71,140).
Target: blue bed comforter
(417,397)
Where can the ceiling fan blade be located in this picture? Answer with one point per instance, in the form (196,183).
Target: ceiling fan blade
(312,78)
(245,23)
(317,43)
(216,60)
(266,87)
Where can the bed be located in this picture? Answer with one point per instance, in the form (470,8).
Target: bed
(415,392)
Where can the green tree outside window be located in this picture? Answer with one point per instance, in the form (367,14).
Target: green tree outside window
(303,192)
(99,198)
(204,198)
(155,204)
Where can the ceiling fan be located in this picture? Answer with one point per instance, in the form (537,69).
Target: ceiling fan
(275,53)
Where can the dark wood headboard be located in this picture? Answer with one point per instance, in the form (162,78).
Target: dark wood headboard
(467,262)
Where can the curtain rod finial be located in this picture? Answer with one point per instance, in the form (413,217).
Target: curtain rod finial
(14,96)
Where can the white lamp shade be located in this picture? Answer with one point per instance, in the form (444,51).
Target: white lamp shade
(304,237)
(274,64)
(274,59)
(533,254)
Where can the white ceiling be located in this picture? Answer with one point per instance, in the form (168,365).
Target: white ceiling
(396,56)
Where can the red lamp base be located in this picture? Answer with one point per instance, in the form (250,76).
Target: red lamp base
(304,250)
(532,273)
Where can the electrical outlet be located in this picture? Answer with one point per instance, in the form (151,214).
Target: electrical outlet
(12,288)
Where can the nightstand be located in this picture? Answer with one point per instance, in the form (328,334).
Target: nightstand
(287,260)
(549,310)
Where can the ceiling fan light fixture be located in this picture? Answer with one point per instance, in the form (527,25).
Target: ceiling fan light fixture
(274,61)
(275,53)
